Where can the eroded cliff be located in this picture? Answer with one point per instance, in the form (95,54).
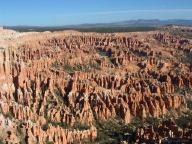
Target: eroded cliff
(55,87)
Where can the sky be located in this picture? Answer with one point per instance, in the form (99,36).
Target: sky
(67,12)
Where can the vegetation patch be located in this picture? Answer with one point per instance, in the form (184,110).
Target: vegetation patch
(183,90)
(78,67)
(92,29)
(60,124)
(68,68)
(187,58)
(153,121)
(101,52)
(114,131)
(189,104)
(80,126)
(182,33)
(184,120)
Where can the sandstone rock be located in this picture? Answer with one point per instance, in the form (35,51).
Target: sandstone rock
(51,81)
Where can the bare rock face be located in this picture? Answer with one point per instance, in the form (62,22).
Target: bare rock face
(52,84)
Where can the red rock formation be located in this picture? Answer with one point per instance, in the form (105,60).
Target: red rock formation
(65,78)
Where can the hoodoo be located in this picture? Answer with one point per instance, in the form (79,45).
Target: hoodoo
(70,87)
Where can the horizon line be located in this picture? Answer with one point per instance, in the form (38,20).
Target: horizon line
(94,23)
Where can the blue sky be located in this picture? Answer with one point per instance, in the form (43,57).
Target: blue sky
(65,12)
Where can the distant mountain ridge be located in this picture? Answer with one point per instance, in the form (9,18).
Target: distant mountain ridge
(138,23)
(128,23)
(123,26)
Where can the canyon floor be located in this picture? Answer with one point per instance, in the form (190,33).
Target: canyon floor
(85,87)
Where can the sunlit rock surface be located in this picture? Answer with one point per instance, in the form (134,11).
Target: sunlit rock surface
(54,87)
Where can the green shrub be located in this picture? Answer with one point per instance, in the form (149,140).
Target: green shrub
(184,120)
(9,115)
(68,68)
(60,124)
(114,131)
(183,90)
(101,52)
(152,121)
(137,122)
(49,142)
(45,127)
(189,104)
(187,58)
(80,126)
(56,65)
